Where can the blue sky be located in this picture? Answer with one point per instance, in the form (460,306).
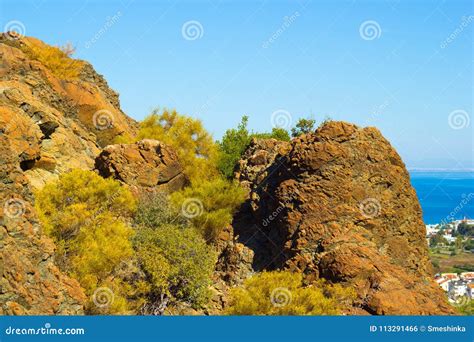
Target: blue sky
(300,57)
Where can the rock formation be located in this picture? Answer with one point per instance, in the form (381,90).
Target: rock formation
(54,124)
(145,165)
(48,126)
(30,283)
(334,204)
(339,205)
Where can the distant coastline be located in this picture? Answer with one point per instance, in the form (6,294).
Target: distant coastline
(418,169)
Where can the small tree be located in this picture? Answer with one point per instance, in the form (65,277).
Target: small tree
(277,133)
(232,146)
(195,147)
(283,293)
(236,140)
(303,126)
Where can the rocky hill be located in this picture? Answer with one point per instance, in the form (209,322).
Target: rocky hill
(48,125)
(338,204)
(334,204)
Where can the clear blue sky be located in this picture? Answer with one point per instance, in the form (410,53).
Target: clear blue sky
(406,81)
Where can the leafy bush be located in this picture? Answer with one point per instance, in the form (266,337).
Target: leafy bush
(154,210)
(283,293)
(86,217)
(236,140)
(56,59)
(303,126)
(209,205)
(178,264)
(195,147)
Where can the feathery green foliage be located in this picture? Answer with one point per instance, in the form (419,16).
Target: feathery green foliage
(86,216)
(178,263)
(209,204)
(196,149)
(56,59)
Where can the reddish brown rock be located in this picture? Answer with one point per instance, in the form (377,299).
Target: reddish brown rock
(340,206)
(48,125)
(55,124)
(145,165)
(30,282)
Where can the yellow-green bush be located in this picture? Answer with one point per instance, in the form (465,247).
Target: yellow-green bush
(56,60)
(283,293)
(86,216)
(196,149)
(178,264)
(210,204)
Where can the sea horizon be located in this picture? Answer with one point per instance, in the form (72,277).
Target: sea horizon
(444,195)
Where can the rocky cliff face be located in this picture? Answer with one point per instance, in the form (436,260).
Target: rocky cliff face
(54,124)
(30,283)
(48,126)
(339,205)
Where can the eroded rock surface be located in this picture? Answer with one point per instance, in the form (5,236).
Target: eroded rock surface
(54,124)
(48,125)
(340,206)
(145,165)
(30,283)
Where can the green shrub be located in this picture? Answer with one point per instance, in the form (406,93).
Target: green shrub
(155,210)
(303,126)
(209,205)
(178,264)
(283,293)
(236,140)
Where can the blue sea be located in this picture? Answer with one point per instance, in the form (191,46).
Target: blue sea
(444,195)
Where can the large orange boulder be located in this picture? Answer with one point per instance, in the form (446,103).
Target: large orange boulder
(148,165)
(339,205)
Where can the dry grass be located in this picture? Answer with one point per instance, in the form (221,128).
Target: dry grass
(57,60)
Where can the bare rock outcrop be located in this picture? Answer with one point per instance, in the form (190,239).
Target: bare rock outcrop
(145,165)
(340,206)
(54,124)
(48,125)
(30,283)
